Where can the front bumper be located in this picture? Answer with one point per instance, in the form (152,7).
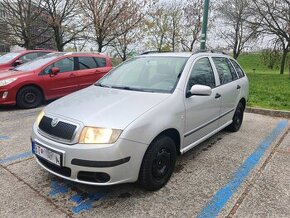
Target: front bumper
(7,96)
(121,161)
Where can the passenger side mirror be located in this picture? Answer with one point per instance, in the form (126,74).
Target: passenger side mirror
(200,90)
(17,63)
(54,71)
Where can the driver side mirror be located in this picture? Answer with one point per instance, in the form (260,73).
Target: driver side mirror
(17,63)
(200,90)
(54,71)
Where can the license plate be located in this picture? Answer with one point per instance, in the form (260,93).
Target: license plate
(47,154)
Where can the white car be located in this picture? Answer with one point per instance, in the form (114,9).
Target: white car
(132,123)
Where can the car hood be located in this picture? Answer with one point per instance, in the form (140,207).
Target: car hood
(105,107)
(4,67)
(6,74)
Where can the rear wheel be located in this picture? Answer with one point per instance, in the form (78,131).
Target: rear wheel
(29,97)
(158,163)
(237,119)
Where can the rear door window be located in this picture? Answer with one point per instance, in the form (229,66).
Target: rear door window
(101,62)
(238,69)
(225,70)
(87,63)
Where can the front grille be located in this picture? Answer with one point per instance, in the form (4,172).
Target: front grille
(62,130)
(65,171)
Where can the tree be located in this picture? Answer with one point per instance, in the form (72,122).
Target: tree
(175,12)
(174,25)
(157,27)
(273,18)
(191,24)
(26,22)
(105,17)
(125,44)
(237,31)
(64,20)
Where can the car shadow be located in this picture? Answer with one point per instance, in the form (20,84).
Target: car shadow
(14,108)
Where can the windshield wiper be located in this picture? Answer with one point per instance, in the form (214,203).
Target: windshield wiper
(133,89)
(102,85)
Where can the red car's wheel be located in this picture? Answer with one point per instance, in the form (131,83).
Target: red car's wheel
(29,97)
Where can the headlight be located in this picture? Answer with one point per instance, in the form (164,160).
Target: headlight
(39,118)
(91,135)
(7,81)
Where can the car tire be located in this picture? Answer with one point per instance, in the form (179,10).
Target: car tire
(29,97)
(237,118)
(158,163)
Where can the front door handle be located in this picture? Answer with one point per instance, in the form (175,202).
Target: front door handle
(238,86)
(72,75)
(217,95)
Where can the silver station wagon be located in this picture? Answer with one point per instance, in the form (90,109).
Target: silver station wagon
(132,123)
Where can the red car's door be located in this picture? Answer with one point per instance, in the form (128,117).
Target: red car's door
(64,82)
(89,70)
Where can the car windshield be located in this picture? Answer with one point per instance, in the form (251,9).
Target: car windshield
(148,74)
(38,62)
(8,57)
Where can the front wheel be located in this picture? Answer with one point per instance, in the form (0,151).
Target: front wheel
(158,163)
(237,119)
(29,97)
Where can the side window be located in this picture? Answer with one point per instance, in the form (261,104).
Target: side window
(238,69)
(201,74)
(225,70)
(86,63)
(232,69)
(64,65)
(40,54)
(28,57)
(101,62)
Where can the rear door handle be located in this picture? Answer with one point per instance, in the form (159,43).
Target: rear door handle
(217,95)
(238,86)
(72,75)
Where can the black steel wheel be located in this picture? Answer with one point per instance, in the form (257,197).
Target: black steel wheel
(29,97)
(158,163)
(237,119)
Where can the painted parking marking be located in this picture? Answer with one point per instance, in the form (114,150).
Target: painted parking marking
(4,137)
(83,200)
(219,200)
(86,204)
(16,157)
(59,188)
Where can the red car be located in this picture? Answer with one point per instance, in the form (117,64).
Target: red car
(51,76)
(13,59)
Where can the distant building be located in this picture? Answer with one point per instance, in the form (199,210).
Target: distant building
(39,27)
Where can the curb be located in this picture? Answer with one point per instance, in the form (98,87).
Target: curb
(269,112)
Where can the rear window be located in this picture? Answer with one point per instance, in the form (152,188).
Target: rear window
(238,69)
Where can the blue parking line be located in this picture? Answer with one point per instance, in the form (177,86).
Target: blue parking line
(3,137)
(59,188)
(86,204)
(84,200)
(219,200)
(17,157)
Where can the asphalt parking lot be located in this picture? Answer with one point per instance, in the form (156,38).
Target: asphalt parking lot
(243,174)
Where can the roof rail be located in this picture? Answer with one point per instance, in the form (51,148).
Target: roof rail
(210,51)
(152,52)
